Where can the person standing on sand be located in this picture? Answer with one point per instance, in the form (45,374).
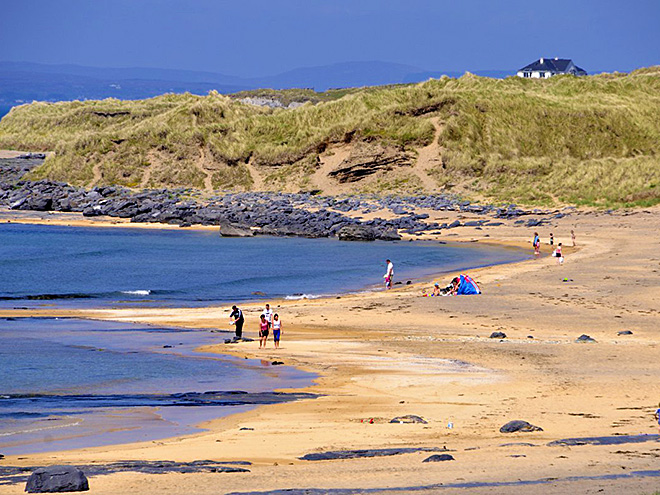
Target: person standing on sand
(277,330)
(389,274)
(263,332)
(573,236)
(559,256)
(238,321)
(657,415)
(268,313)
(537,244)
(552,239)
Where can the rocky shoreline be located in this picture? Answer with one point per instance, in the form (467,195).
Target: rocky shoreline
(249,213)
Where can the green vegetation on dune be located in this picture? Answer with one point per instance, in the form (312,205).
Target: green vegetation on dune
(592,140)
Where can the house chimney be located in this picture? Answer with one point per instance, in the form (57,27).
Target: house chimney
(541,60)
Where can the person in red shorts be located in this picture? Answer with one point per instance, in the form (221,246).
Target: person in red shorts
(263,332)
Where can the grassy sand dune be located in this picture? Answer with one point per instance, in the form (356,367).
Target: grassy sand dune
(591,140)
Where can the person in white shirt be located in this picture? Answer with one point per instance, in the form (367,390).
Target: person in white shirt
(389,274)
(268,313)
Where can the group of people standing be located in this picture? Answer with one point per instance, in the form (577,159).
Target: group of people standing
(267,321)
(557,253)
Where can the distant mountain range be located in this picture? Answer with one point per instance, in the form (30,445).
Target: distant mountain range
(24,81)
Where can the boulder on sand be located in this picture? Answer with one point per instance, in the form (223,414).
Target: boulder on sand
(585,338)
(498,335)
(409,418)
(517,425)
(439,458)
(57,479)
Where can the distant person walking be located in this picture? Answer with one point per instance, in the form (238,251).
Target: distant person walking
(237,321)
(268,313)
(552,239)
(573,237)
(537,244)
(277,330)
(389,274)
(263,332)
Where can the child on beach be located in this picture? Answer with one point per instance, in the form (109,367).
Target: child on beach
(277,329)
(263,332)
(558,255)
(537,244)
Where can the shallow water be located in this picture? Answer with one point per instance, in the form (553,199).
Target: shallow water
(101,266)
(67,383)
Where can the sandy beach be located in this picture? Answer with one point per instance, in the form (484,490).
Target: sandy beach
(380,355)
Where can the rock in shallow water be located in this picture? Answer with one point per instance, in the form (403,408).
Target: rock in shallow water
(57,479)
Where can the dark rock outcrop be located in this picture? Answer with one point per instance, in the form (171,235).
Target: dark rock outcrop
(613,440)
(19,474)
(249,213)
(357,233)
(355,454)
(498,335)
(584,338)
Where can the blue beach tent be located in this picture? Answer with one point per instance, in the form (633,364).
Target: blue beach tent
(467,287)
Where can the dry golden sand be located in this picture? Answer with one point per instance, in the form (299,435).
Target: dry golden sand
(381,355)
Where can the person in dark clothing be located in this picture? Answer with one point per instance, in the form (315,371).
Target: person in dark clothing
(238,321)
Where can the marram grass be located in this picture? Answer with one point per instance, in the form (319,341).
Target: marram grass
(590,140)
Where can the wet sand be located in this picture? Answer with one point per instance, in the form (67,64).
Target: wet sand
(386,354)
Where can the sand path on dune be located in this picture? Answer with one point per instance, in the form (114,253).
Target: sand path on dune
(385,354)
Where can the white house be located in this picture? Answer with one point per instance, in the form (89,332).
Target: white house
(548,67)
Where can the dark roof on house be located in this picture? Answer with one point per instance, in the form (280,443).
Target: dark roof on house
(551,64)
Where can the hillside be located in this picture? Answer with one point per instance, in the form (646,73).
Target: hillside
(591,140)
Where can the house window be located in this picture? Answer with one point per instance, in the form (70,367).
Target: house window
(527,74)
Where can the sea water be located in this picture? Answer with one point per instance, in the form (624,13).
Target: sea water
(70,383)
(101,266)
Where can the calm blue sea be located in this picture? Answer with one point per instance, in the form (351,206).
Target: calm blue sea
(111,266)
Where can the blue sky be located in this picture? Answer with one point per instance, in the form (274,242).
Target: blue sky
(259,37)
